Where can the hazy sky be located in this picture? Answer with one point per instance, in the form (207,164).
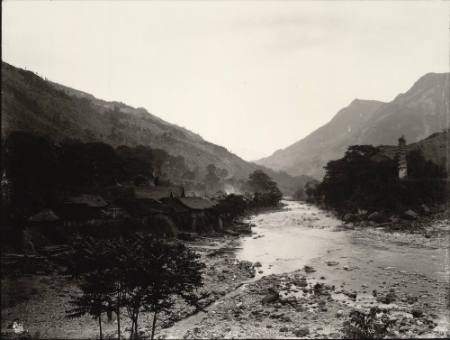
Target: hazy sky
(251,76)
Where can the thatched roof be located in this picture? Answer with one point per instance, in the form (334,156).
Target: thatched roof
(142,207)
(46,215)
(197,203)
(93,201)
(157,193)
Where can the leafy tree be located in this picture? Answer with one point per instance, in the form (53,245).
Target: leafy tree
(159,159)
(230,207)
(97,265)
(94,299)
(366,179)
(311,192)
(222,173)
(265,189)
(141,273)
(211,178)
(188,177)
(158,271)
(31,165)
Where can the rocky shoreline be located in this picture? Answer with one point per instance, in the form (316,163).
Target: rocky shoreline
(40,300)
(317,300)
(311,302)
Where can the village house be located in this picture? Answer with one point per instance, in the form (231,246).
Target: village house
(114,212)
(194,214)
(159,192)
(82,209)
(46,216)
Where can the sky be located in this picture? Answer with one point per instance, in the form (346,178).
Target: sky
(251,76)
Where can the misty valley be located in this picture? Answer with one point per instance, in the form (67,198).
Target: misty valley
(117,224)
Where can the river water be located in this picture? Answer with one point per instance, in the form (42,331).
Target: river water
(302,234)
(362,260)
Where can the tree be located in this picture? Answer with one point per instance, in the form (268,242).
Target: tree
(156,272)
(364,178)
(211,178)
(230,207)
(222,173)
(265,189)
(94,299)
(311,192)
(140,273)
(97,265)
(30,162)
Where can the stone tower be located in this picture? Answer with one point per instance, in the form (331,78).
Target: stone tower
(402,164)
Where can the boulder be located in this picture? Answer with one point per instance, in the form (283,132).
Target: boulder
(300,281)
(362,212)
(409,215)
(301,332)
(230,232)
(394,219)
(339,313)
(309,269)
(417,312)
(271,297)
(388,298)
(425,209)
(292,300)
(349,217)
(378,217)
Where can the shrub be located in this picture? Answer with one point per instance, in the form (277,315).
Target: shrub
(371,325)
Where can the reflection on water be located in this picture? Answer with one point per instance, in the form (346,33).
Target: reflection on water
(286,240)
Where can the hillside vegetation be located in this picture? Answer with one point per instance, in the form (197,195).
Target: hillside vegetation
(33,104)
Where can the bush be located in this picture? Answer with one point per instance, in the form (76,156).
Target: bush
(371,325)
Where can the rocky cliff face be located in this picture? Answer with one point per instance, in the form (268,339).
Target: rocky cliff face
(421,111)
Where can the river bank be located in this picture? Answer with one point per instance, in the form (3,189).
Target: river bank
(312,273)
(299,274)
(39,302)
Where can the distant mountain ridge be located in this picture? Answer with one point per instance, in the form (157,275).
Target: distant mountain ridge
(32,104)
(416,114)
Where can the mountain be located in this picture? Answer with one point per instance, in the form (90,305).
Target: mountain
(30,103)
(310,154)
(421,111)
(33,104)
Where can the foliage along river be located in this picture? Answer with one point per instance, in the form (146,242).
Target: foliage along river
(301,234)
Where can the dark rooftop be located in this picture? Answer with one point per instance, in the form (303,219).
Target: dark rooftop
(197,203)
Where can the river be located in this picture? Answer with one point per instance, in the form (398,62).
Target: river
(301,234)
(359,260)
